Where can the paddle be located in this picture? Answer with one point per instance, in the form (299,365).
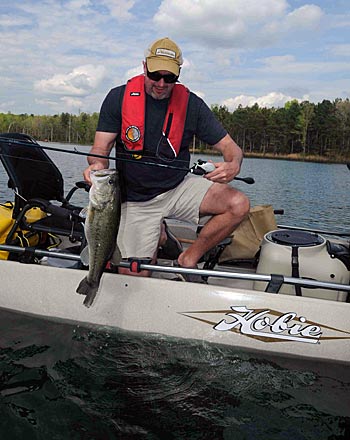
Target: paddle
(248,180)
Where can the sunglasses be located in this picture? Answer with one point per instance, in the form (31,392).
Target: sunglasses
(169,78)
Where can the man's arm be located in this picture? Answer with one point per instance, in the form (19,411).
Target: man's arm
(225,171)
(103,145)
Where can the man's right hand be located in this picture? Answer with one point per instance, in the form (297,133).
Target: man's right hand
(102,146)
(94,167)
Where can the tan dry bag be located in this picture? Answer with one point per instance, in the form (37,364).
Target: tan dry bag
(246,239)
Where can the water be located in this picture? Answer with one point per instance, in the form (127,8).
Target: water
(63,381)
(67,382)
(311,194)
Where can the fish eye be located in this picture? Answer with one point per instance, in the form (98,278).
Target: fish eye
(110,181)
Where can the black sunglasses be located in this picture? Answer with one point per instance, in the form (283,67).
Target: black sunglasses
(169,78)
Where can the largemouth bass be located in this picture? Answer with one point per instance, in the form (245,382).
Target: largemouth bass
(101,228)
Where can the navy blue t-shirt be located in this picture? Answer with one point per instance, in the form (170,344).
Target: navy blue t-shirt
(142,182)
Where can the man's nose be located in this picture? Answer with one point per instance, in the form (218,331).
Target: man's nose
(161,82)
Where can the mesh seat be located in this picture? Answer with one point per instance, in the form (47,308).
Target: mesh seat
(38,183)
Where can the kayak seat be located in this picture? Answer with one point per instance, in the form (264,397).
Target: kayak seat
(38,183)
(339,251)
(172,248)
(212,257)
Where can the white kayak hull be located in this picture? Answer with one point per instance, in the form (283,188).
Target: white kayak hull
(278,324)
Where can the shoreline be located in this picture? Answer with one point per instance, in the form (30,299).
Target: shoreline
(291,157)
(295,157)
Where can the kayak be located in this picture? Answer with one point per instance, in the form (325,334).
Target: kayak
(233,309)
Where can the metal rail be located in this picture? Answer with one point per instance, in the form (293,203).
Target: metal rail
(302,282)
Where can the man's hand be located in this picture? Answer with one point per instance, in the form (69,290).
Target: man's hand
(94,167)
(102,145)
(224,171)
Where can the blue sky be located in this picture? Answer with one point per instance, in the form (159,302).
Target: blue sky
(65,55)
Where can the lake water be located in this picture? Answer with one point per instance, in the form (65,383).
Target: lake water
(311,194)
(63,381)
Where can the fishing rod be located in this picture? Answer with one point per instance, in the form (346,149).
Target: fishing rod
(201,167)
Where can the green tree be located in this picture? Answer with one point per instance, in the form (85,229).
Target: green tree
(303,122)
(292,115)
(342,114)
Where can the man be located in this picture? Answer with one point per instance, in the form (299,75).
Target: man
(153,119)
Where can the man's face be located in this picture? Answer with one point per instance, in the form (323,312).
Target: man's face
(158,89)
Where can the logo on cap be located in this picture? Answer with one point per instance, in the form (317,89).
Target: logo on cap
(133,133)
(166,53)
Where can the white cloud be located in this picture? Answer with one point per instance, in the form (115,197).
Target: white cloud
(6,105)
(235,23)
(307,16)
(337,21)
(11,21)
(340,50)
(273,99)
(72,103)
(288,64)
(79,82)
(119,9)
(89,104)
(74,5)
(133,72)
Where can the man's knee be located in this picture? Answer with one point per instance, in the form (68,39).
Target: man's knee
(235,202)
(239,204)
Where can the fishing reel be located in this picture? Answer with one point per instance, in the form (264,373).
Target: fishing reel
(202,167)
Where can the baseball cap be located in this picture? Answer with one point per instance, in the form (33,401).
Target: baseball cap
(164,54)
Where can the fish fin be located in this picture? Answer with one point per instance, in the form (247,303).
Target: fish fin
(84,256)
(90,297)
(84,212)
(116,256)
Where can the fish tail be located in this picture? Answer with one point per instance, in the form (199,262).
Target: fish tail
(90,297)
(88,289)
(84,287)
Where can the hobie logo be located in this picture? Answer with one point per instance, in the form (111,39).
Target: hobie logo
(261,324)
(267,325)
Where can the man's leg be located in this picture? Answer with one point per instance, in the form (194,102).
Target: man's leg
(146,273)
(228,208)
(139,232)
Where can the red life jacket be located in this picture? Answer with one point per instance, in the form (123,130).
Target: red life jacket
(133,116)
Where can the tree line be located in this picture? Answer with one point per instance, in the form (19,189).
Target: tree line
(298,128)
(79,129)
(304,129)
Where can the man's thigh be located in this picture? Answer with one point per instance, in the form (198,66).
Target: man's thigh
(139,230)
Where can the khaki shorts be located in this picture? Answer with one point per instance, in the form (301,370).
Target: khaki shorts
(141,221)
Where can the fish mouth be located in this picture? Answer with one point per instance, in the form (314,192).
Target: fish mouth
(103,173)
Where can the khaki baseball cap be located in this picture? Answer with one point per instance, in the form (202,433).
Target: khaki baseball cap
(164,54)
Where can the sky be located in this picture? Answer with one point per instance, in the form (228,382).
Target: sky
(65,55)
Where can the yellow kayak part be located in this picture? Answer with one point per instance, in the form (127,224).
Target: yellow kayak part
(22,238)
